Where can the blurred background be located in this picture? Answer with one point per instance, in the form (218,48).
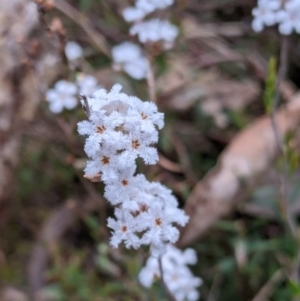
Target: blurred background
(217,153)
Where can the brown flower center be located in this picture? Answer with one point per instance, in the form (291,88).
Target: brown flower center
(158,222)
(105,160)
(143,207)
(101,129)
(124,229)
(124,182)
(120,128)
(135,144)
(144,116)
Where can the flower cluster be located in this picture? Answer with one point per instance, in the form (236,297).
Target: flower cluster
(143,8)
(155,30)
(120,129)
(129,57)
(270,12)
(151,31)
(64,93)
(177,276)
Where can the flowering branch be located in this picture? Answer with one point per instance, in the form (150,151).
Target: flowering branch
(120,129)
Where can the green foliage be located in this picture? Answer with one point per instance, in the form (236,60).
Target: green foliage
(73,280)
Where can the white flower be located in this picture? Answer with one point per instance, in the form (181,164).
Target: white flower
(155,30)
(177,276)
(144,7)
(73,51)
(178,257)
(99,124)
(265,14)
(138,68)
(62,96)
(101,165)
(88,84)
(124,188)
(149,115)
(150,272)
(131,14)
(139,144)
(162,194)
(289,17)
(189,256)
(183,284)
(126,52)
(129,57)
(109,101)
(124,229)
(161,230)
(150,6)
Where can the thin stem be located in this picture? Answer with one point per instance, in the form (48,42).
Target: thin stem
(168,292)
(280,140)
(280,78)
(151,82)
